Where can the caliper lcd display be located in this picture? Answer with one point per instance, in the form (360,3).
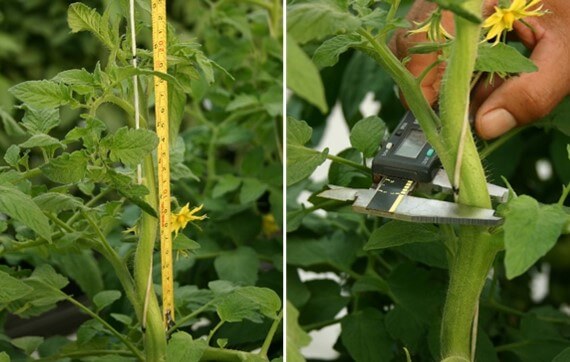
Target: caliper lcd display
(412,144)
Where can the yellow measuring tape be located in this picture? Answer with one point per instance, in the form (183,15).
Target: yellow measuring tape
(159,38)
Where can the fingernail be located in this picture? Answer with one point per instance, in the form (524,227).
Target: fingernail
(496,122)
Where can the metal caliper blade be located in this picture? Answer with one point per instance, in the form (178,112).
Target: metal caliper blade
(414,209)
(498,193)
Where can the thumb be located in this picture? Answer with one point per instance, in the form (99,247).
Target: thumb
(526,98)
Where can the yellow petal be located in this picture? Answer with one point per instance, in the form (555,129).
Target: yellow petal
(517,5)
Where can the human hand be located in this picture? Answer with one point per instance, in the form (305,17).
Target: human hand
(519,100)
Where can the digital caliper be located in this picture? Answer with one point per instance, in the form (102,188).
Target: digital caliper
(406,162)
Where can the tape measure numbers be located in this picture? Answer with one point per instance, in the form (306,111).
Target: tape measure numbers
(159,39)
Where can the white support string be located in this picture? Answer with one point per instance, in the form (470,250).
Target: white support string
(135,77)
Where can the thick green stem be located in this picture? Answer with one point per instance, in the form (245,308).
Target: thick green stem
(454,103)
(467,276)
(476,251)
(155,334)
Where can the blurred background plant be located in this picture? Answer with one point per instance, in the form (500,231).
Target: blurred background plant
(225,113)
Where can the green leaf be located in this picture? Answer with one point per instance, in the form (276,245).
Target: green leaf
(11,288)
(41,140)
(81,17)
(42,93)
(242,101)
(558,118)
(303,77)
(83,268)
(222,342)
(563,356)
(21,207)
(119,74)
(46,285)
(297,338)
(348,176)
(502,59)
(328,53)
(301,161)
(226,183)
(248,303)
(370,284)
(325,303)
(251,190)
(531,230)
(319,18)
(56,202)
(80,80)
(125,185)
(417,291)
(4,357)
(181,347)
(12,156)
(28,344)
(405,327)
(367,134)
(11,127)
(125,319)
(46,275)
(67,168)
(336,249)
(182,242)
(238,266)
(395,233)
(130,145)
(106,298)
(41,120)
(364,336)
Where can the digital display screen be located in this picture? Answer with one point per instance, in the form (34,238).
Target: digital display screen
(412,145)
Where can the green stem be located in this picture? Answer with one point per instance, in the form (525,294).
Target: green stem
(86,353)
(270,334)
(118,264)
(211,163)
(485,152)
(346,162)
(113,331)
(155,334)
(467,275)
(475,250)
(89,204)
(214,330)
(194,314)
(427,118)
(321,324)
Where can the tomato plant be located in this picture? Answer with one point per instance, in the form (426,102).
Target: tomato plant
(77,227)
(419,291)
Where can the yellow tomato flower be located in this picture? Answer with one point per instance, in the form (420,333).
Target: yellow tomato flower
(432,27)
(179,220)
(503,19)
(268,225)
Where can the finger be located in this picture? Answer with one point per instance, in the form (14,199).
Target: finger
(531,96)
(417,63)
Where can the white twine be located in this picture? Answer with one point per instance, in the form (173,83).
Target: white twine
(135,77)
